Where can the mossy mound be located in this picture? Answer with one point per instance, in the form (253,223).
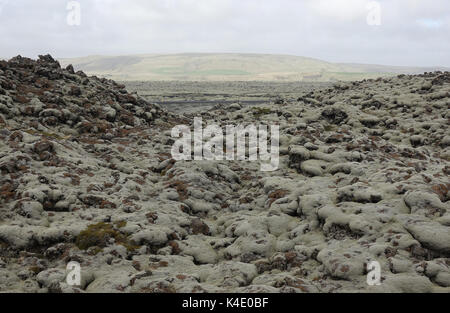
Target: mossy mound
(258,112)
(46,134)
(99,235)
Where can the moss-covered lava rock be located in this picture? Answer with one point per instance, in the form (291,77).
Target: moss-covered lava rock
(100,234)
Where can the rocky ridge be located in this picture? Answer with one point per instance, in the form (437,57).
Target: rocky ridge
(87,176)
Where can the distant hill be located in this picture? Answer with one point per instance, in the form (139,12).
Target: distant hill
(229,67)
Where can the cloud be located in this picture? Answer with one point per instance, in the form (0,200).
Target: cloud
(430,23)
(344,10)
(334,30)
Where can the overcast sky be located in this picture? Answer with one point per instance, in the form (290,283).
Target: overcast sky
(412,32)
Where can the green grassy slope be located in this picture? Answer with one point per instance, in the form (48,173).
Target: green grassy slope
(227,67)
